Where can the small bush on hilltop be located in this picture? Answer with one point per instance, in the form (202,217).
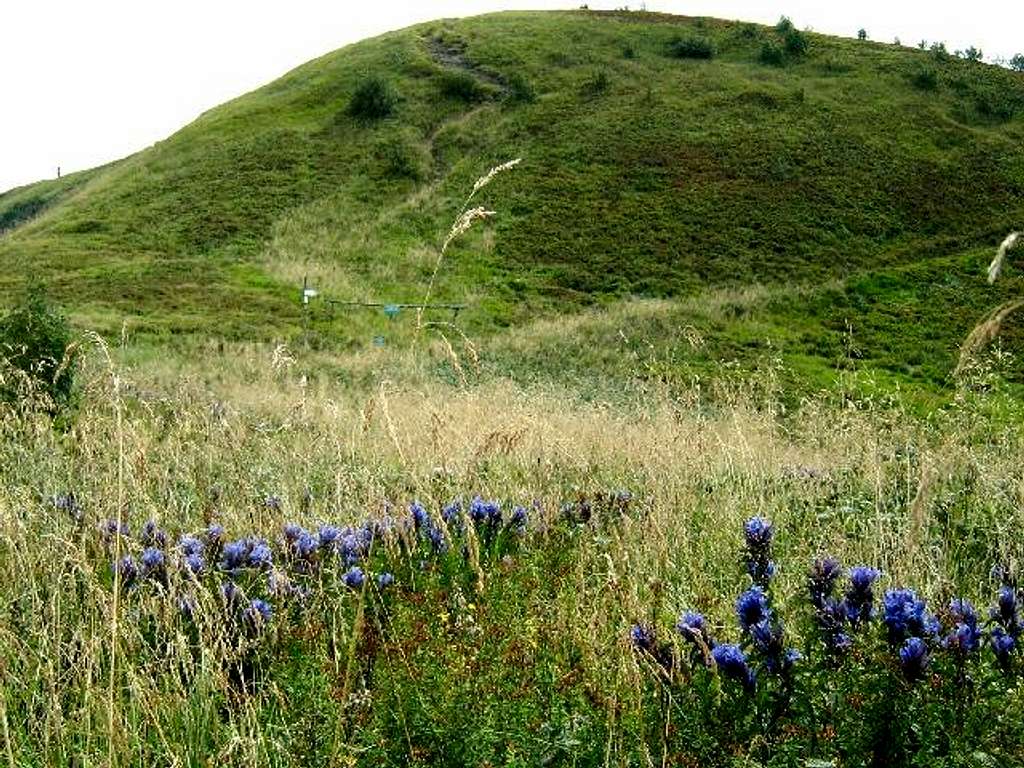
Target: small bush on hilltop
(796,42)
(691,48)
(784,25)
(374,99)
(792,44)
(939,51)
(970,54)
(1017,63)
(34,344)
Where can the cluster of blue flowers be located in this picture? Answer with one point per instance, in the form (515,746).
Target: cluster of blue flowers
(254,572)
(913,632)
(908,622)
(762,632)
(837,619)
(761,628)
(1007,621)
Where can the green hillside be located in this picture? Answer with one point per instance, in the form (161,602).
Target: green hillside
(839,202)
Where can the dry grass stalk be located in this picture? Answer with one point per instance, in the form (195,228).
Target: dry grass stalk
(462,224)
(984,332)
(996,267)
(453,356)
(388,422)
(488,177)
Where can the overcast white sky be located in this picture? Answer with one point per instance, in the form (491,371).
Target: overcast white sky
(89,81)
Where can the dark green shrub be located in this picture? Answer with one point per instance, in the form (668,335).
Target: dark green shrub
(35,340)
(796,42)
(772,54)
(1017,63)
(462,86)
(996,104)
(560,59)
(831,66)
(784,25)
(520,90)
(925,79)
(862,34)
(971,54)
(939,52)
(400,159)
(596,85)
(374,99)
(20,212)
(629,51)
(691,48)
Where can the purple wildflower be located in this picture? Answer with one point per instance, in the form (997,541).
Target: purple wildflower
(191,545)
(329,536)
(214,535)
(127,570)
(260,555)
(153,536)
(821,581)
(235,555)
(642,637)
(758,534)
(914,658)
(1003,645)
(195,563)
(966,635)
(292,531)
(420,517)
(154,565)
(519,519)
(354,577)
(732,663)
(694,628)
(752,608)
(860,597)
(907,616)
(257,615)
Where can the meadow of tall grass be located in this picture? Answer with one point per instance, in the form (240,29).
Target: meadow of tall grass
(257,566)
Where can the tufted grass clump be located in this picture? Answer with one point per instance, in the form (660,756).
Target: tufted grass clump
(690,48)
(520,89)
(462,86)
(925,79)
(772,53)
(38,360)
(374,99)
(596,84)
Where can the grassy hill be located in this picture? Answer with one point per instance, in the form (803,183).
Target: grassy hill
(830,204)
(708,348)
